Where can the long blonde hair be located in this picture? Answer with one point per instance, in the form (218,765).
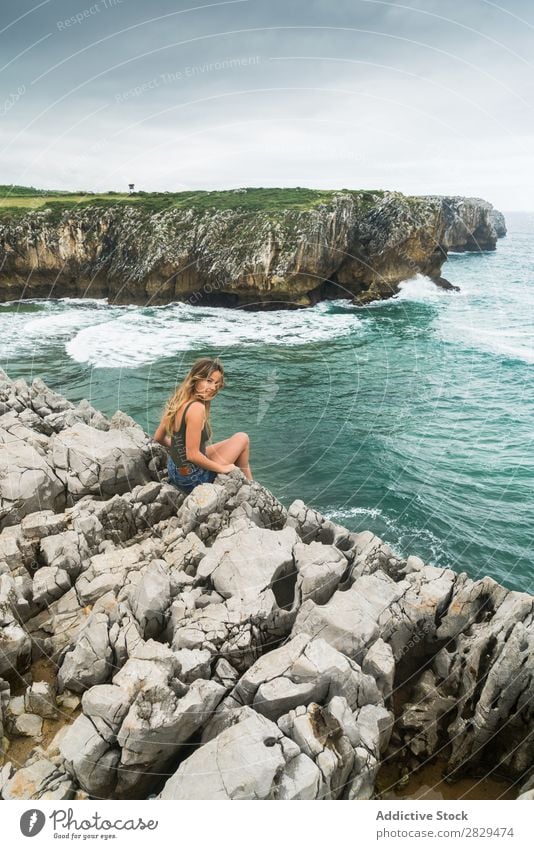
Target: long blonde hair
(200,370)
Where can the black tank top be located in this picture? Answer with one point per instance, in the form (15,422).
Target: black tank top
(177,449)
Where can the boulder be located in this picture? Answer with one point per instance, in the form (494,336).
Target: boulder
(97,462)
(28,481)
(320,569)
(150,599)
(90,662)
(250,760)
(244,563)
(90,756)
(40,698)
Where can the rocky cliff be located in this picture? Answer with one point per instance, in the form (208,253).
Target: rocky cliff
(221,646)
(357,244)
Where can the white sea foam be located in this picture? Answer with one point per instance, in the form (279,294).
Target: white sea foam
(341,514)
(57,323)
(21,332)
(418,288)
(101,301)
(142,337)
(398,536)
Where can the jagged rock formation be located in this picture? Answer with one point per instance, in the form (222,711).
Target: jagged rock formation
(471,224)
(499,223)
(359,245)
(222,646)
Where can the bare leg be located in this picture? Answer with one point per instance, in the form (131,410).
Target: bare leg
(243,460)
(235,450)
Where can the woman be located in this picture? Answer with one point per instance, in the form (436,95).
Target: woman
(185,428)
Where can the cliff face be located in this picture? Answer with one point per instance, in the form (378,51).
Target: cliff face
(471,224)
(358,245)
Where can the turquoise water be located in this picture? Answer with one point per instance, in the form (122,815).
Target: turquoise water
(412,418)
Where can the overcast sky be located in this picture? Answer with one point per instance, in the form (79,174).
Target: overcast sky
(423,97)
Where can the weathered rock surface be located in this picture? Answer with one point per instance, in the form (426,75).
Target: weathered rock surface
(41,780)
(220,646)
(249,760)
(354,244)
(52,454)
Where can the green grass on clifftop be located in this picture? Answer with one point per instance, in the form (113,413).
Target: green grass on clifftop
(16,201)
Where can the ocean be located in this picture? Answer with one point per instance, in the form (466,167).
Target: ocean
(413,417)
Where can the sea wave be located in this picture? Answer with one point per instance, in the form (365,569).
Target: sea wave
(149,334)
(402,539)
(419,288)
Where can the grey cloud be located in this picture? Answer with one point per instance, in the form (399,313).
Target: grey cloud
(348,93)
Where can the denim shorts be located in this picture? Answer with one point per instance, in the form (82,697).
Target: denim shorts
(187,483)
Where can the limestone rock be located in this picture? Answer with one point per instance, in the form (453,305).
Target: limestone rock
(89,757)
(245,563)
(27,725)
(195,663)
(380,663)
(15,648)
(107,702)
(28,481)
(157,725)
(224,621)
(320,569)
(302,671)
(90,661)
(151,599)
(64,551)
(250,760)
(49,583)
(41,780)
(96,461)
(40,698)
(43,523)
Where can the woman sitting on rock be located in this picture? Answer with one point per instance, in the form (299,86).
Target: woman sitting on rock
(185,428)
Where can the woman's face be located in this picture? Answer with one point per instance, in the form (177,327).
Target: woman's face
(209,386)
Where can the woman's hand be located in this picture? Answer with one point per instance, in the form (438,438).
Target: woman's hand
(225,470)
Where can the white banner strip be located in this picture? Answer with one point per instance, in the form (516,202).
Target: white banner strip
(232,825)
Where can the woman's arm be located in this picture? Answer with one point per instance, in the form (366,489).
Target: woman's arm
(195,421)
(162,436)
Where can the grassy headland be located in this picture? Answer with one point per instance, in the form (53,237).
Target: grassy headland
(18,200)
